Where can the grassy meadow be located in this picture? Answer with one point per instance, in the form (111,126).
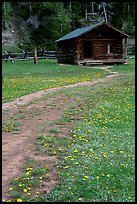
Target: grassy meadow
(97,160)
(20,78)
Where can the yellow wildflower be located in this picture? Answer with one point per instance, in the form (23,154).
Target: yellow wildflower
(19,200)
(25,190)
(86,177)
(16,178)
(66,167)
(75,150)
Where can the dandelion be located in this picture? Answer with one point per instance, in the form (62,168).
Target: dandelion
(76,162)
(112,152)
(19,200)
(26,178)
(24,190)
(114,190)
(79,199)
(76,150)
(20,184)
(29,169)
(16,178)
(28,194)
(40,177)
(97,177)
(86,177)
(27,173)
(28,188)
(86,140)
(66,167)
(101,145)
(54,152)
(121,152)
(47,175)
(59,149)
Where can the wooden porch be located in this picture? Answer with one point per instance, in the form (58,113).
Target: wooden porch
(99,62)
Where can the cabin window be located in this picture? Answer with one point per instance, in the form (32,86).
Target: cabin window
(109,48)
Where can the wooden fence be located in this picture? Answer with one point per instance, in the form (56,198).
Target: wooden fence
(11,56)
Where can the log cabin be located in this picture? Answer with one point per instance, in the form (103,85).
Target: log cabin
(95,44)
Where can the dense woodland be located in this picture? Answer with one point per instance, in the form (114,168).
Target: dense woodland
(41,23)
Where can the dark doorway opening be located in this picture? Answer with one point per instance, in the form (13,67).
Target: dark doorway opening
(87,49)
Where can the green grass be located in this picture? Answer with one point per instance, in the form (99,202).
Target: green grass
(125,69)
(97,160)
(20,78)
(25,185)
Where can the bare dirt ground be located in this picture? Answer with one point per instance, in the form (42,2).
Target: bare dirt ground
(19,147)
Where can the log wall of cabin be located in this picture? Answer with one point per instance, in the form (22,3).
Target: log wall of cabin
(100,49)
(66,52)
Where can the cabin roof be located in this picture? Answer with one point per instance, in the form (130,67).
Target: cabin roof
(80,31)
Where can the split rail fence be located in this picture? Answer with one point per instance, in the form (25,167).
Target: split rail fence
(11,56)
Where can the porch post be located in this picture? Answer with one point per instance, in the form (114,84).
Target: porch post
(125,49)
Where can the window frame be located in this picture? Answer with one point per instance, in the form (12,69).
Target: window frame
(109,48)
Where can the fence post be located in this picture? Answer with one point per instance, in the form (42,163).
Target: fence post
(35,56)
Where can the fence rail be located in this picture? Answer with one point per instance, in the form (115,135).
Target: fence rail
(11,56)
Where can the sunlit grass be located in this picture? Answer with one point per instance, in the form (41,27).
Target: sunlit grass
(22,78)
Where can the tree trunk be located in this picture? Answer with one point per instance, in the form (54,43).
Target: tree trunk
(35,56)
(105,12)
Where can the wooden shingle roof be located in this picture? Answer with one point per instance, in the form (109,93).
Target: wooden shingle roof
(80,31)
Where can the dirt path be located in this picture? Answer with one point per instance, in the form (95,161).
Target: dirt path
(29,97)
(19,147)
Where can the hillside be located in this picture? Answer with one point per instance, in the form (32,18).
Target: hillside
(26,24)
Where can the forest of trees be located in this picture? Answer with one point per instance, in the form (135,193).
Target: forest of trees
(43,22)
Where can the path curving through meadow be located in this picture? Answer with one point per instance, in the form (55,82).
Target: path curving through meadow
(19,147)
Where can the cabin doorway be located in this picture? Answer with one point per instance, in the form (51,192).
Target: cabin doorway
(87,46)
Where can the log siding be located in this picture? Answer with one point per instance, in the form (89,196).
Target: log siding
(74,50)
